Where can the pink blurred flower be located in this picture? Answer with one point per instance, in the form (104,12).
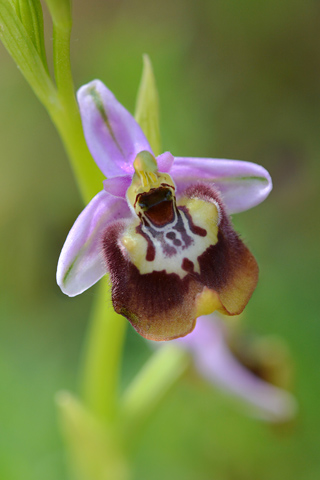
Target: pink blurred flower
(215,362)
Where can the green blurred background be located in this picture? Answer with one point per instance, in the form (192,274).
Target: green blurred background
(236,80)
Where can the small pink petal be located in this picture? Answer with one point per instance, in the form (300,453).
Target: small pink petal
(117,186)
(165,162)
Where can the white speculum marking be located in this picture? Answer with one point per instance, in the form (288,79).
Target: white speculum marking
(174,245)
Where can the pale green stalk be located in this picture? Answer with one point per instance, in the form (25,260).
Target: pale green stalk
(87,175)
(102,356)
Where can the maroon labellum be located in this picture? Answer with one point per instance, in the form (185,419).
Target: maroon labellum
(182,269)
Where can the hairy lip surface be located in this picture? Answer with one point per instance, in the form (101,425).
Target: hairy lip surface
(161,302)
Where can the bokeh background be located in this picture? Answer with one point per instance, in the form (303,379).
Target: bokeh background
(236,80)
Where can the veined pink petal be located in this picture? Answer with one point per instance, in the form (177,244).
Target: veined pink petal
(113,136)
(81,262)
(242,185)
(117,186)
(216,363)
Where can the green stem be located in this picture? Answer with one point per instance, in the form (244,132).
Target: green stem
(61,60)
(102,356)
(88,176)
(67,119)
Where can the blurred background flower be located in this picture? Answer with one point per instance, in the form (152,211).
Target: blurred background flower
(255,371)
(236,79)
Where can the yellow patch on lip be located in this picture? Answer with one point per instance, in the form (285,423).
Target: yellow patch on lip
(135,245)
(129,242)
(207,302)
(205,214)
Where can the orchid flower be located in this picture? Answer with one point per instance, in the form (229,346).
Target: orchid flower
(216,363)
(160,227)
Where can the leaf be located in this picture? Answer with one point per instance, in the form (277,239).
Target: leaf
(30,14)
(19,45)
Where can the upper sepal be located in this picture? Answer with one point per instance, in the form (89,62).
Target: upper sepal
(113,136)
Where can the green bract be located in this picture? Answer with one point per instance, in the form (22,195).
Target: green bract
(147,107)
(30,14)
(17,40)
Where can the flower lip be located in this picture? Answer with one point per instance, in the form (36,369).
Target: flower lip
(175,261)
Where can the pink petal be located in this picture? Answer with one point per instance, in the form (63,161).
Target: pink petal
(81,262)
(242,185)
(117,186)
(113,136)
(165,162)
